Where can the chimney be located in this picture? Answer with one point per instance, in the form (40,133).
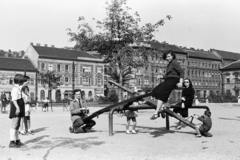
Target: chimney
(38,44)
(45,45)
(192,48)
(21,53)
(52,46)
(31,43)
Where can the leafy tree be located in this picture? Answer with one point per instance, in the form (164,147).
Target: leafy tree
(117,30)
(50,80)
(126,75)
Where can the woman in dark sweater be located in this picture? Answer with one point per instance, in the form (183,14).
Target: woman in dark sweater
(174,77)
(186,100)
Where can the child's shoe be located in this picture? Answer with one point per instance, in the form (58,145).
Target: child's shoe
(30,132)
(127,132)
(19,143)
(198,136)
(22,132)
(12,144)
(178,127)
(133,132)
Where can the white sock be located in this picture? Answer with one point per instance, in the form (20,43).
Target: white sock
(12,135)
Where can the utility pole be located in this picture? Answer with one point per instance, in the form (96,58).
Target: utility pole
(73,76)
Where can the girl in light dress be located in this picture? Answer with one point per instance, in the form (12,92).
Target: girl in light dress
(26,119)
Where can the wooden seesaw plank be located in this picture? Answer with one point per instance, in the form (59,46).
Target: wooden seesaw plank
(170,113)
(122,103)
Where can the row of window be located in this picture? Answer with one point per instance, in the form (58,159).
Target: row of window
(199,73)
(8,81)
(203,65)
(68,68)
(236,80)
(85,81)
(194,82)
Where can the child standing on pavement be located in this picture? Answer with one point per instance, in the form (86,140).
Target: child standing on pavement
(131,116)
(17,111)
(206,123)
(26,119)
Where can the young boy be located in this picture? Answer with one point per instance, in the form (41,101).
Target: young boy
(206,123)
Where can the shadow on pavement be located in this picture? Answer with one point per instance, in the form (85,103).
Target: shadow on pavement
(231,119)
(39,129)
(63,142)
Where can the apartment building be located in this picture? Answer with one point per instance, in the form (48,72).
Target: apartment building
(203,70)
(78,69)
(9,67)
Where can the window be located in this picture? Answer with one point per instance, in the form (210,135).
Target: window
(86,81)
(31,81)
(66,80)
(146,82)
(139,82)
(66,68)
(99,81)
(50,66)
(58,67)
(228,79)
(42,66)
(86,69)
(11,80)
(99,70)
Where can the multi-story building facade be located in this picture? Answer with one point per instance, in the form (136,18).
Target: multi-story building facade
(78,69)
(226,56)
(9,67)
(231,78)
(203,70)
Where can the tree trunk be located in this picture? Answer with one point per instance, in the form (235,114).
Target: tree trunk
(120,90)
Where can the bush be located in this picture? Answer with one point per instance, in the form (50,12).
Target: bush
(113,97)
(102,100)
(228,97)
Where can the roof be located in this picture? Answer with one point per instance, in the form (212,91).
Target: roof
(232,66)
(201,54)
(166,46)
(16,64)
(60,53)
(227,55)
(11,54)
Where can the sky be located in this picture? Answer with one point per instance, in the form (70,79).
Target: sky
(201,24)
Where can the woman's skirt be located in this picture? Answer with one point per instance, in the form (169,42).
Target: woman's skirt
(164,89)
(183,111)
(20,103)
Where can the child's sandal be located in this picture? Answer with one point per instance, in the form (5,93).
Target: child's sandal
(23,132)
(30,132)
(154,116)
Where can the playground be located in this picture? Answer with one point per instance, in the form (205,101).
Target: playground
(52,139)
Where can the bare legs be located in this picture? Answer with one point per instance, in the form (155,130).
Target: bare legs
(128,124)
(159,106)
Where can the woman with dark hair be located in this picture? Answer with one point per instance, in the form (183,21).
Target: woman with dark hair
(173,78)
(186,100)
